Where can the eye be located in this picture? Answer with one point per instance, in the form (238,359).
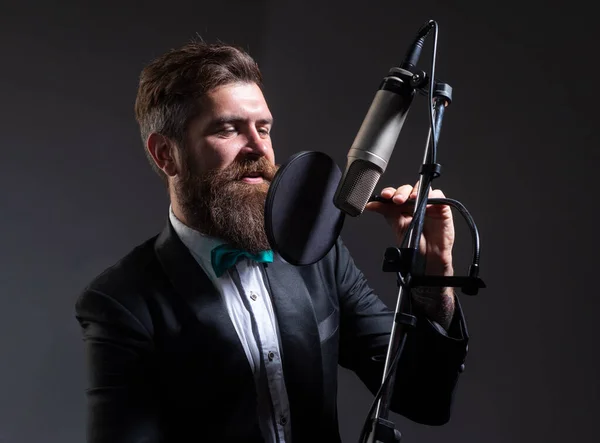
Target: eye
(264,131)
(227,131)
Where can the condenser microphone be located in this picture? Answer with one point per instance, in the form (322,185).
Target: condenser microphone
(375,141)
(372,148)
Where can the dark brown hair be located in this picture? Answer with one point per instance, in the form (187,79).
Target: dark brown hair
(171,86)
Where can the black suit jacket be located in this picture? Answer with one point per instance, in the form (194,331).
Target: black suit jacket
(165,363)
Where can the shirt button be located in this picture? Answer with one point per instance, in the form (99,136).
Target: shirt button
(283,420)
(253,295)
(271,355)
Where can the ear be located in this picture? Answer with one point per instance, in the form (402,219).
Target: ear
(162,150)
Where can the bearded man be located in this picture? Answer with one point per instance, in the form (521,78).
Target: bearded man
(202,333)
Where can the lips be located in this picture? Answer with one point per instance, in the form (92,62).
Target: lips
(253,177)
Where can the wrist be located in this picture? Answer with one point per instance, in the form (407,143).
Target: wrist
(442,268)
(437,303)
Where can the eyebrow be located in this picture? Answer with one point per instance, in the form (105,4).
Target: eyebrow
(236,119)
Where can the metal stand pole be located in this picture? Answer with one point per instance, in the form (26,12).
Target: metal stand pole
(406,261)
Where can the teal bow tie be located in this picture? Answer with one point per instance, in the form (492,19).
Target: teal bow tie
(224,257)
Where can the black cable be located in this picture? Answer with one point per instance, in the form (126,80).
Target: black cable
(463,211)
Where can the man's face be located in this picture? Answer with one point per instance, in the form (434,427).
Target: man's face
(235,124)
(227,165)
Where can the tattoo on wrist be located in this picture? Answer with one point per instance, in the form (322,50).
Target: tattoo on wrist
(438,303)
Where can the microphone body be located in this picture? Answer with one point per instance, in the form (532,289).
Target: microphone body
(374,143)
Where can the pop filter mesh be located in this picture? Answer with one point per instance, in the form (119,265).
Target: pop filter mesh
(301,221)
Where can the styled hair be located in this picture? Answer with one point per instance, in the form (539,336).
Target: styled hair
(171,87)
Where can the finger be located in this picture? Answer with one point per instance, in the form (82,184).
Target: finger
(436,193)
(402,194)
(376,206)
(393,213)
(387,192)
(415,190)
(438,210)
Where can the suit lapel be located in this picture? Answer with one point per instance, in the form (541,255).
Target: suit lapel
(195,287)
(298,329)
(299,334)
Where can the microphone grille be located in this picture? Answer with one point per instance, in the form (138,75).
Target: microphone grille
(357,187)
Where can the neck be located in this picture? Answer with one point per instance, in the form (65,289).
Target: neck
(178,212)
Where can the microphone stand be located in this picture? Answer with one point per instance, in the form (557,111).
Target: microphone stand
(406,261)
(408,265)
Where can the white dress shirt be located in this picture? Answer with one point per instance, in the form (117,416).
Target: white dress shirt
(248,303)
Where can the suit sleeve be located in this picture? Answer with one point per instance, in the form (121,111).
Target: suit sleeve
(431,361)
(121,407)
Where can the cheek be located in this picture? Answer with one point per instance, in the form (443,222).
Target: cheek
(217,156)
(221,160)
(270,154)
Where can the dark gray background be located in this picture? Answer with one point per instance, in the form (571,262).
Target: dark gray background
(517,146)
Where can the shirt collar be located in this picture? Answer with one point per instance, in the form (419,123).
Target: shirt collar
(199,245)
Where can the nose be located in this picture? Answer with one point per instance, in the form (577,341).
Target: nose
(255,145)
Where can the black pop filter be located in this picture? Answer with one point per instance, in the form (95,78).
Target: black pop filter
(301,221)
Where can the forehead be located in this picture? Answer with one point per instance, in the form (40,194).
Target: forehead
(236,98)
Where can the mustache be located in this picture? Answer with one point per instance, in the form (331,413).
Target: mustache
(243,168)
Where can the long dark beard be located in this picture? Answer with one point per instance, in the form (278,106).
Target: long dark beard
(219,204)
